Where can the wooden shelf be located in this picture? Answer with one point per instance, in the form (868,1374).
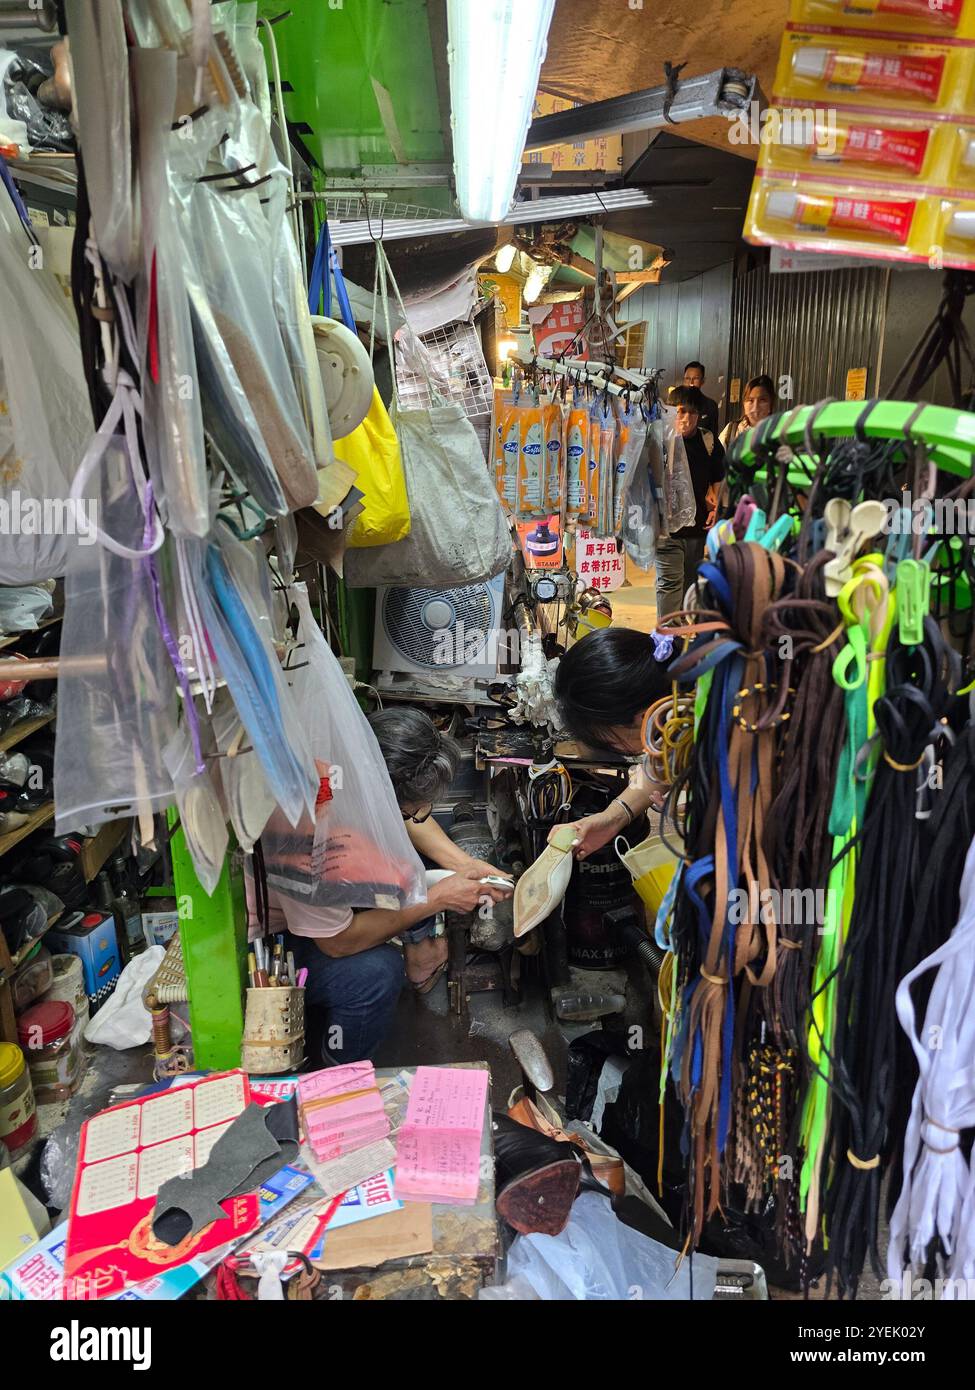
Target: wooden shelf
(96,851)
(40,817)
(21,731)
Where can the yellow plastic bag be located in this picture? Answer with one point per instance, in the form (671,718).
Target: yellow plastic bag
(373,451)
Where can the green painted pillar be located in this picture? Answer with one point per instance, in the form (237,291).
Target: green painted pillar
(356,616)
(213,933)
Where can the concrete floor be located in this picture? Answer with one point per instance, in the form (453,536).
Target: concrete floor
(635,605)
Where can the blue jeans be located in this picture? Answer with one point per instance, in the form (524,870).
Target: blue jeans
(354,997)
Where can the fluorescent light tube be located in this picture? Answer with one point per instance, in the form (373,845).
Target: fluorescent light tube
(496,49)
(505,258)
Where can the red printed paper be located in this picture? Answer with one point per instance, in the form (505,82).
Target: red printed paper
(125,1155)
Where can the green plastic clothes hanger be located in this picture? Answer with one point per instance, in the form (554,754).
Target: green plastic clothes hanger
(949,434)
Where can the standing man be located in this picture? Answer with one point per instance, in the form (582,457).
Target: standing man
(680,553)
(694,376)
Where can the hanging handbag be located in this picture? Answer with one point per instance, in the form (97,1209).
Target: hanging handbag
(371,449)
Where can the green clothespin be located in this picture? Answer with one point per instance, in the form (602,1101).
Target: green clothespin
(913,600)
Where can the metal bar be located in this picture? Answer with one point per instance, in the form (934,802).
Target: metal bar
(539,210)
(29,17)
(721,92)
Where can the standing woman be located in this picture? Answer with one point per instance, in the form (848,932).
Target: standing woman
(758,403)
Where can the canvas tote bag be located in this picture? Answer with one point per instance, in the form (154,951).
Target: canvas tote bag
(458,531)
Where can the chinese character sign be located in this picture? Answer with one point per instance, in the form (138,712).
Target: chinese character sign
(599,562)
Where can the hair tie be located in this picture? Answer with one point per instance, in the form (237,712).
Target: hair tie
(663,647)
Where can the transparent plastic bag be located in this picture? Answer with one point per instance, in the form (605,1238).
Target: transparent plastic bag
(228,417)
(355,852)
(632,426)
(22,609)
(232,245)
(249,664)
(200,813)
(640,519)
(99,61)
(294,321)
(116,686)
(599,1258)
(171,392)
(680,505)
(244,790)
(45,413)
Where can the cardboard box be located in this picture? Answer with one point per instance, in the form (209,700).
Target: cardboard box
(94,940)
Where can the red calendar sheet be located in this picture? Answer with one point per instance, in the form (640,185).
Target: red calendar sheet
(124,1157)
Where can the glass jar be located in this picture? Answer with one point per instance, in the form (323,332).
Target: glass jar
(46,1033)
(18,1116)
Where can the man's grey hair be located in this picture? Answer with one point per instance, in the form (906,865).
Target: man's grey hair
(420,759)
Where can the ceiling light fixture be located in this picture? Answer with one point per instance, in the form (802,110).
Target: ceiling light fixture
(496,49)
(505,258)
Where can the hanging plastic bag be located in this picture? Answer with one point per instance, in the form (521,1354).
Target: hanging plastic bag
(229,242)
(355,851)
(116,687)
(458,532)
(245,794)
(45,413)
(371,449)
(102,110)
(249,664)
(640,515)
(174,442)
(631,438)
(200,813)
(679,503)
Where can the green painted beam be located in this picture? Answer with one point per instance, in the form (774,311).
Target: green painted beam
(363,78)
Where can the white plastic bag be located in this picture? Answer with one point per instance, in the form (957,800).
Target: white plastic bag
(45,413)
(598,1257)
(123,1020)
(356,852)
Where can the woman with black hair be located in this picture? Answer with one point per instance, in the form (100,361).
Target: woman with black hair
(603,686)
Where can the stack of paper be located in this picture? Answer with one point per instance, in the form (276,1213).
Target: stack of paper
(438,1150)
(341,1109)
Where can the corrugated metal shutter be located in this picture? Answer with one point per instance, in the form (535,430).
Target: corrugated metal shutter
(807,331)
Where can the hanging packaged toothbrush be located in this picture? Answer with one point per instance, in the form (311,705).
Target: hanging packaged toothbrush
(553,423)
(531,459)
(577,457)
(869,147)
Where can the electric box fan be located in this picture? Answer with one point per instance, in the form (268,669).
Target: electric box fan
(454,631)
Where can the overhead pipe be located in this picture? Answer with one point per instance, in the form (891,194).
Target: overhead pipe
(22,16)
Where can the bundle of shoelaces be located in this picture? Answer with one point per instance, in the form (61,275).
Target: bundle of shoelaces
(823,928)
